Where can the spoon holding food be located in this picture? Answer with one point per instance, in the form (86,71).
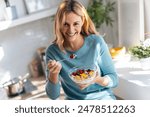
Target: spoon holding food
(72,56)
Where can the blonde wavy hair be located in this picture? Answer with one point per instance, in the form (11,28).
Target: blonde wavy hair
(66,7)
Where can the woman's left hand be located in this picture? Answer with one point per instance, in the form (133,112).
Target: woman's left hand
(98,79)
(83,86)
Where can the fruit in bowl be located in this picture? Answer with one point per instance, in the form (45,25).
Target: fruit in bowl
(83,75)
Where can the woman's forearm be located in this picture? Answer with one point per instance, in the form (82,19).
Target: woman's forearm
(52,90)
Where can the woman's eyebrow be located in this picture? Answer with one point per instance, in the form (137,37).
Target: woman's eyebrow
(77,21)
(73,22)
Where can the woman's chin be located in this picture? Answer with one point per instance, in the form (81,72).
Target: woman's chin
(71,39)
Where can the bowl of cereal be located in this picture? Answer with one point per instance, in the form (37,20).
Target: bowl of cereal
(84,74)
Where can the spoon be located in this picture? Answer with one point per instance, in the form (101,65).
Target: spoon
(72,56)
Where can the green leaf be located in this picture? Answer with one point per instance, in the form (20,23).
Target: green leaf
(100,12)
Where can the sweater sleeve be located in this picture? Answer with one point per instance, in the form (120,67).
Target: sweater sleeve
(52,90)
(107,66)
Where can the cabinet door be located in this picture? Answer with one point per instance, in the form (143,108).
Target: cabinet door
(131,22)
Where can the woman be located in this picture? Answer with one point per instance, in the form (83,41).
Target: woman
(76,35)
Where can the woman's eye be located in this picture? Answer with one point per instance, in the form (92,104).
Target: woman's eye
(65,24)
(76,24)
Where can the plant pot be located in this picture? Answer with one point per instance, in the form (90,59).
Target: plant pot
(145,63)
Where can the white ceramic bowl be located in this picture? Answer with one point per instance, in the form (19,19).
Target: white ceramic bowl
(84,74)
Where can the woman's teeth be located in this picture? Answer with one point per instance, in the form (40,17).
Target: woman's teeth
(71,34)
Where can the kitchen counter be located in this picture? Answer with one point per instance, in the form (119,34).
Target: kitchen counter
(34,89)
(134,82)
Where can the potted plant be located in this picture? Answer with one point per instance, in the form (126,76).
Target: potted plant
(142,52)
(100,12)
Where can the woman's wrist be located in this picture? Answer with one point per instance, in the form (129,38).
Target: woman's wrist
(53,78)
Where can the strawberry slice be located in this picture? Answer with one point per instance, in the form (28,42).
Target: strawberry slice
(80,71)
(74,73)
(72,56)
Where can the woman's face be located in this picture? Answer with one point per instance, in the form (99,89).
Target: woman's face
(72,27)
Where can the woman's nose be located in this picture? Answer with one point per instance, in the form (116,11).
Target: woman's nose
(71,29)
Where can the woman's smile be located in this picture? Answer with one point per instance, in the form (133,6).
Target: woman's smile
(71,34)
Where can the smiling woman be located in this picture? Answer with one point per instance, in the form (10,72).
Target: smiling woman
(76,35)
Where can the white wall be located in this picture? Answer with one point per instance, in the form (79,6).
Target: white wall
(147,15)
(2,6)
(20,44)
(111,36)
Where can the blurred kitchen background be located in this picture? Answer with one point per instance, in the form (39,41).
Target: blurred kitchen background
(26,29)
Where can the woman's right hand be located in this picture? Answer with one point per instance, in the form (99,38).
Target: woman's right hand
(54,70)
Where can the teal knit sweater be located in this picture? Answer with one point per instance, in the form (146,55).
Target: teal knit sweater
(93,51)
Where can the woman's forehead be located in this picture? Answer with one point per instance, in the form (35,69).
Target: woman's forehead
(72,17)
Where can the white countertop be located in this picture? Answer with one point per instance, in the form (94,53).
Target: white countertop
(134,82)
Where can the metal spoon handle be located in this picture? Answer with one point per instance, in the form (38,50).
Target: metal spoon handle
(63,59)
(72,56)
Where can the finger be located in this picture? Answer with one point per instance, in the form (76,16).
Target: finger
(51,64)
(59,64)
(56,68)
(53,68)
(97,73)
(82,88)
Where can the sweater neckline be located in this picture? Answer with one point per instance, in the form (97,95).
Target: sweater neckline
(80,50)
